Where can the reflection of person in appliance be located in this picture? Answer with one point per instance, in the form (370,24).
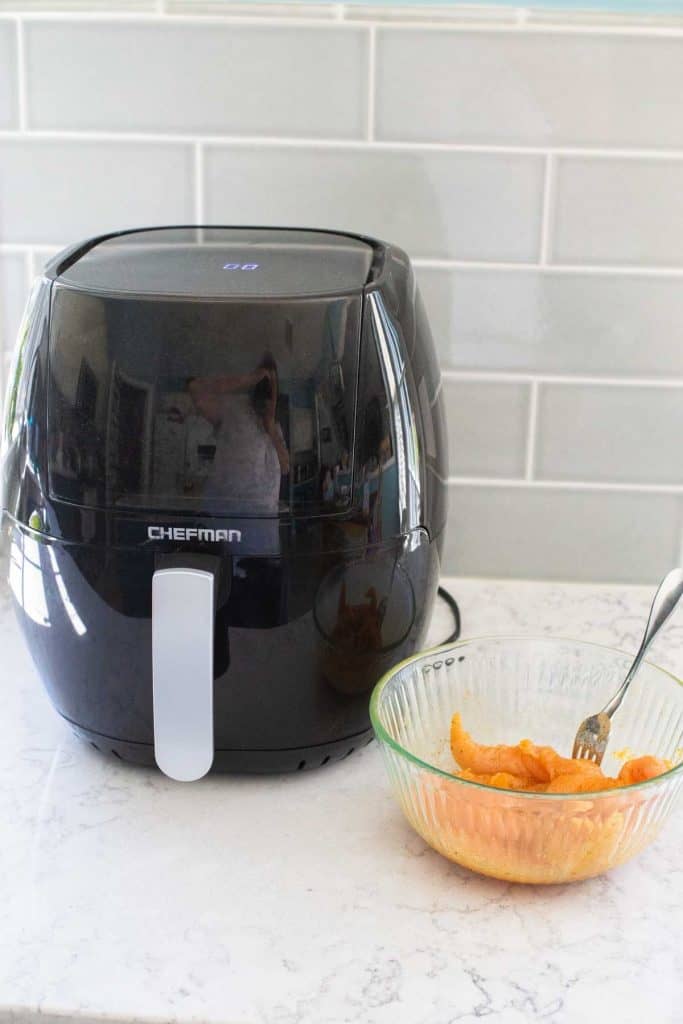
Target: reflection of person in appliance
(251,455)
(250,459)
(342,476)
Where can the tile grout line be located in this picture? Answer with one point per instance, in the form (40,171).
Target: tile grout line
(547,215)
(590,269)
(372,78)
(198,183)
(531,431)
(673,155)
(564,485)
(576,379)
(516,27)
(533,28)
(21,76)
(19,247)
(178,18)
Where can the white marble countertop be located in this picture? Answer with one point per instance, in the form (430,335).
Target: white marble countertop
(306,899)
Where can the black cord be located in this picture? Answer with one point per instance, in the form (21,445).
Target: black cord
(453,605)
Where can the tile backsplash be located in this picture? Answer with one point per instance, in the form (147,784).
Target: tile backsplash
(55,189)
(502,88)
(198,78)
(444,206)
(618,211)
(532,166)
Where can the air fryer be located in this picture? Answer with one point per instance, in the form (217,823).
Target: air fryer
(223,490)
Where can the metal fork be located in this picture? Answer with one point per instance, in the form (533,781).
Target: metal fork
(593,733)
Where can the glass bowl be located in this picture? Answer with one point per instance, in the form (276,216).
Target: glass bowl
(508,688)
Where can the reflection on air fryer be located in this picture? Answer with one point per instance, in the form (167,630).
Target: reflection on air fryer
(364,611)
(183,408)
(194,410)
(245,452)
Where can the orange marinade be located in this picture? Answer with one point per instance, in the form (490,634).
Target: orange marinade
(541,769)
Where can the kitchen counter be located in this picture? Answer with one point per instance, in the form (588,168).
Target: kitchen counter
(307,899)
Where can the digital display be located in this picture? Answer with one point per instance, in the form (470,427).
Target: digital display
(240,266)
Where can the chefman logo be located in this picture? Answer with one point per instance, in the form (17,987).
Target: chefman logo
(193,533)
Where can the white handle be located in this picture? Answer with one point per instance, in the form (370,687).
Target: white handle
(182,671)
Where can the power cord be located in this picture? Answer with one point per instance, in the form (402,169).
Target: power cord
(453,605)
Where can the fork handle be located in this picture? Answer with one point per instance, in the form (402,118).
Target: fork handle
(665,600)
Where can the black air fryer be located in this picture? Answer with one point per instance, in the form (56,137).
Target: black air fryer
(223,490)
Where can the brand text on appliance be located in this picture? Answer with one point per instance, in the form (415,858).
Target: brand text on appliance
(203,533)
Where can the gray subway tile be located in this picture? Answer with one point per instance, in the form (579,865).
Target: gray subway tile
(252,8)
(60,191)
(13,294)
(8,76)
(521,320)
(547,533)
(432,13)
(214,78)
(618,211)
(610,433)
(662,14)
(435,204)
(487,427)
(81,6)
(529,88)
(41,257)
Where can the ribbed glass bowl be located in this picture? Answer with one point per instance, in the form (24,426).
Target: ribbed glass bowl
(509,688)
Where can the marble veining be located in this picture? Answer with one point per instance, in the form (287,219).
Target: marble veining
(306,899)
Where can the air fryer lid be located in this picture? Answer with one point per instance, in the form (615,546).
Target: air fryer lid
(223,263)
(210,371)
